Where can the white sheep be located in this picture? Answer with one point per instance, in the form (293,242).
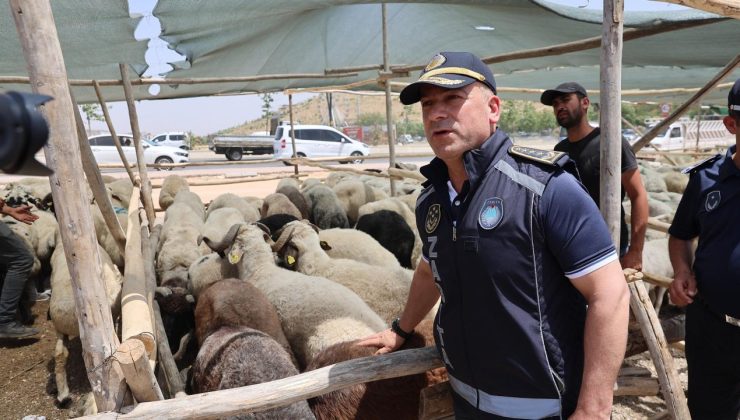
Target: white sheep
(352,194)
(219,222)
(278,203)
(384,289)
(171,186)
(249,212)
(314,312)
(193,201)
(357,245)
(62,308)
(120,191)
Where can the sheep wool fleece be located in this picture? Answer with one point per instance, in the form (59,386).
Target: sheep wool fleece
(510,324)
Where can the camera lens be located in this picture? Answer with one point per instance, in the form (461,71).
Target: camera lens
(23,132)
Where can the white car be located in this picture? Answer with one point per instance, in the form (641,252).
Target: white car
(105,151)
(317,141)
(175,139)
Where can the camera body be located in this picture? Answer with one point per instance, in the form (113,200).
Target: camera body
(23,132)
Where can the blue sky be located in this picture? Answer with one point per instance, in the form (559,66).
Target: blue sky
(207,115)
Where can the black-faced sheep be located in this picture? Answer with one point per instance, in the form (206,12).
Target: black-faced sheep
(400,207)
(314,312)
(235,357)
(276,221)
(396,398)
(391,231)
(384,289)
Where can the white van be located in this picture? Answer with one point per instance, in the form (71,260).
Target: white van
(173,139)
(317,141)
(105,151)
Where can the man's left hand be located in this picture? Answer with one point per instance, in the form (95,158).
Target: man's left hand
(632,259)
(20,213)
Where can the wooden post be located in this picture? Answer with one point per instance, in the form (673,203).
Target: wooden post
(388,100)
(292,130)
(90,166)
(132,357)
(38,35)
(113,134)
(146,185)
(686,105)
(136,316)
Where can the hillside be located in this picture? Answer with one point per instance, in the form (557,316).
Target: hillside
(347,107)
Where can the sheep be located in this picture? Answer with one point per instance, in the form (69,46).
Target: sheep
(276,221)
(220,220)
(399,206)
(314,312)
(356,245)
(193,201)
(28,191)
(297,198)
(384,289)
(277,203)
(352,194)
(207,270)
(249,212)
(395,398)
(235,303)
(288,182)
(120,192)
(326,210)
(62,308)
(392,232)
(309,183)
(676,182)
(235,357)
(171,186)
(255,202)
(105,237)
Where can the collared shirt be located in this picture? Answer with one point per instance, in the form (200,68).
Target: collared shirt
(710,209)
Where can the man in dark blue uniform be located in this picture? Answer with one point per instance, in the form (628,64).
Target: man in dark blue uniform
(515,249)
(710,210)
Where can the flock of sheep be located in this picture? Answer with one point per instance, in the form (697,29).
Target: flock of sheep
(256,289)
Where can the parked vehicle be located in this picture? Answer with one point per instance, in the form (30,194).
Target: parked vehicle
(405,139)
(234,147)
(104,150)
(317,141)
(683,135)
(174,139)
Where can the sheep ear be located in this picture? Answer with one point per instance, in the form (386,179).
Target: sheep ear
(314,227)
(325,246)
(226,241)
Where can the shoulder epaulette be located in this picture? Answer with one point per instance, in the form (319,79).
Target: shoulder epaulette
(549,157)
(701,165)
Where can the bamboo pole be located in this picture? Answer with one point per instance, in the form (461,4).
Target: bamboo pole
(388,99)
(112,131)
(95,180)
(146,185)
(686,105)
(136,317)
(43,54)
(287,390)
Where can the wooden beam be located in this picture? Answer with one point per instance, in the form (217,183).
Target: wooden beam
(43,54)
(388,99)
(728,8)
(284,391)
(132,357)
(95,180)
(636,386)
(146,185)
(729,68)
(113,134)
(136,316)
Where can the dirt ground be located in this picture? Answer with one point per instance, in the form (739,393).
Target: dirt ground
(27,381)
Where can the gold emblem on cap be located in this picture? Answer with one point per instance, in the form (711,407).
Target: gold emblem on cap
(435,62)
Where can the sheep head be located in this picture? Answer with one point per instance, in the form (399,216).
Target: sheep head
(240,238)
(294,238)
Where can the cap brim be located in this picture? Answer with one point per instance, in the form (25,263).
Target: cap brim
(411,94)
(549,95)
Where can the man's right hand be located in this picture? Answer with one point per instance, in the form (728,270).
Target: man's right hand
(385,341)
(683,288)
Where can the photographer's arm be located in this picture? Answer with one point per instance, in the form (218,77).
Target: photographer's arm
(21,213)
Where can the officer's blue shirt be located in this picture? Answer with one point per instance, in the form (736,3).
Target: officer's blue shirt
(710,209)
(510,323)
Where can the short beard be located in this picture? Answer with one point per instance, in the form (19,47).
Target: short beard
(571,120)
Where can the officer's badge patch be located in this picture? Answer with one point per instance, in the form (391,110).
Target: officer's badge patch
(713,199)
(491,213)
(434,214)
(435,62)
(538,155)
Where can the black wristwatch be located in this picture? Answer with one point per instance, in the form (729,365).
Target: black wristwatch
(401,333)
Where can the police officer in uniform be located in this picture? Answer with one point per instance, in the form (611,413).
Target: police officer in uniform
(710,210)
(515,249)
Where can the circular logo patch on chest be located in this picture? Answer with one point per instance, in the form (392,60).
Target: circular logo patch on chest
(491,213)
(713,199)
(434,214)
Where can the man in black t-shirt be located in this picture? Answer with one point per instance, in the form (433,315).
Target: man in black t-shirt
(570,103)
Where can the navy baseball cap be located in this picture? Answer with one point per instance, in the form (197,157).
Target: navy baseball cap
(451,70)
(568,87)
(733,99)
